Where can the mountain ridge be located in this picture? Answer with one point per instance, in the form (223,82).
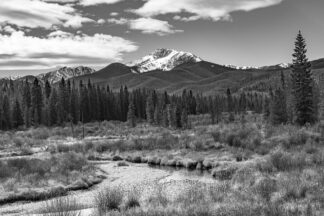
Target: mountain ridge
(173,71)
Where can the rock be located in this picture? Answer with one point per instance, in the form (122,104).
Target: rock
(117,158)
(224,172)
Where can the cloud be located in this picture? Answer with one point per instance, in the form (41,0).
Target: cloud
(36,13)
(61,48)
(146,25)
(97,2)
(101,21)
(113,14)
(85,2)
(152,26)
(120,21)
(201,9)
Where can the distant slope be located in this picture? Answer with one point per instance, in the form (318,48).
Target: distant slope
(173,71)
(204,77)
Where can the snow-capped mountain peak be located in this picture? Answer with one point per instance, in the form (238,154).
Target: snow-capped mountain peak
(66,73)
(163,59)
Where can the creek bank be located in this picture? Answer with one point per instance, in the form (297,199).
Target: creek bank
(223,168)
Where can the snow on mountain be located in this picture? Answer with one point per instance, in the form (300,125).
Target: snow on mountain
(278,66)
(241,67)
(66,73)
(162,59)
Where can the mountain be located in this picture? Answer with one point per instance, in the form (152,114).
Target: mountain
(66,73)
(172,71)
(162,59)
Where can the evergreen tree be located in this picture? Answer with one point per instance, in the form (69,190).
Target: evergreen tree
(178,116)
(321,109)
(37,102)
(6,121)
(47,89)
(26,103)
(63,102)
(150,109)
(53,105)
(184,119)
(157,115)
(302,82)
(74,104)
(171,116)
(17,119)
(278,113)
(131,119)
(165,121)
(230,104)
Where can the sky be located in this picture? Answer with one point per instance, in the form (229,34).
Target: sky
(40,35)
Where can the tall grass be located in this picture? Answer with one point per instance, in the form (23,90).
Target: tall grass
(108,200)
(63,206)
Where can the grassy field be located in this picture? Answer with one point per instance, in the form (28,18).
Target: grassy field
(258,169)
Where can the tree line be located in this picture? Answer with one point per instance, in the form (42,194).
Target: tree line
(26,104)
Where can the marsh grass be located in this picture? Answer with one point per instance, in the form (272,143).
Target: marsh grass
(108,200)
(63,206)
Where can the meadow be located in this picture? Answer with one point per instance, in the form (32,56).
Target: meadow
(258,169)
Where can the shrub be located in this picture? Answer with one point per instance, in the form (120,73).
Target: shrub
(5,170)
(18,141)
(122,164)
(132,199)
(158,196)
(40,133)
(284,161)
(265,187)
(64,148)
(216,136)
(247,136)
(293,186)
(108,200)
(71,161)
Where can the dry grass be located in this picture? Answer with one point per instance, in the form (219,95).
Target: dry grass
(63,206)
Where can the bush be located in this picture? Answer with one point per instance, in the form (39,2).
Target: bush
(108,200)
(284,161)
(5,170)
(18,141)
(293,186)
(40,133)
(265,187)
(68,162)
(216,136)
(122,164)
(132,199)
(248,136)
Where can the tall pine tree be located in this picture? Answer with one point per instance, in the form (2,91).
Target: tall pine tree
(302,84)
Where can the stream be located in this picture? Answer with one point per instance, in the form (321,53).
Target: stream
(126,177)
